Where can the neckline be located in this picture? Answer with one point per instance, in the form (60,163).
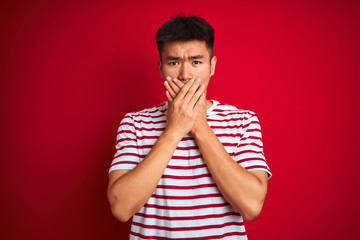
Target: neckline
(212,107)
(208,111)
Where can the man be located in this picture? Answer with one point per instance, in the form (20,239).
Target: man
(189,168)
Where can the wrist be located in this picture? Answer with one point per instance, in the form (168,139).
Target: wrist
(200,129)
(171,136)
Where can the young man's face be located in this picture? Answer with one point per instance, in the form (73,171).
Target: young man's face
(185,60)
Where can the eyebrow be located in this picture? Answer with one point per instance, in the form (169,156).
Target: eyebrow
(197,57)
(173,58)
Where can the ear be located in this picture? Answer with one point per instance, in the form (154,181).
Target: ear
(159,62)
(213,65)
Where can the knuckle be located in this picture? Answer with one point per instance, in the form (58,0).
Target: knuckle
(175,103)
(182,108)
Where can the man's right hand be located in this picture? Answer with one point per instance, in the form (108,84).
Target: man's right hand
(183,107)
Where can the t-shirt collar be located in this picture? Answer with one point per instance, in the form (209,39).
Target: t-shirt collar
(208,111)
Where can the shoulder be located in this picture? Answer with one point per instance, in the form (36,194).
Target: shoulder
(148,112)
(230,111)
(151,115)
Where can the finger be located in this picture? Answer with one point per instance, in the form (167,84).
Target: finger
(169,89)
(174,86)
(178,83)
(169,96)
(192,91)
(198,94)
(184,90)
(200,104)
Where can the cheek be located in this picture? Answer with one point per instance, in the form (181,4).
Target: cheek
(169,72)
(205,74)
(205,79)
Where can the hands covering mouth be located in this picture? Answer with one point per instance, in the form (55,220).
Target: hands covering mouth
(187,105)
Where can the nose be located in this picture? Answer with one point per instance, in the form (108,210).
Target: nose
(185,73)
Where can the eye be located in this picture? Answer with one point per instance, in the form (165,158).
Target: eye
(173,63)
(196,62)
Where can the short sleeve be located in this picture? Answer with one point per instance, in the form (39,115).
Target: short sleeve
(249,151)
(126,155)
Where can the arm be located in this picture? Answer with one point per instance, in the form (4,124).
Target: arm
(129,190)
(244,190)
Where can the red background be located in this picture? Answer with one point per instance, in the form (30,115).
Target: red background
(70,70)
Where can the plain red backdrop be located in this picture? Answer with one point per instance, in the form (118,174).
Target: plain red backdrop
(70,70)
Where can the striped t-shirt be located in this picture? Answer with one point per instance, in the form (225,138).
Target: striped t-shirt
(186,203)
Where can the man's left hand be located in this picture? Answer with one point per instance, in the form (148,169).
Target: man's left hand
(173,87)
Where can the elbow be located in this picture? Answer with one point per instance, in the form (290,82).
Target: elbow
(251,212)
(250,216)
(117,211)
(120,214)
(122,217)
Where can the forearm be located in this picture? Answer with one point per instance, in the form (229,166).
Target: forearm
(242,189)
(131,191)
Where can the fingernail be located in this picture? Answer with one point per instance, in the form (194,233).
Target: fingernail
(168,78)
(175,80)
(198,80)
(166,83)
(202,86)
(192,80)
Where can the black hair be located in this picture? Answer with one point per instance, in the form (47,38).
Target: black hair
(182,28)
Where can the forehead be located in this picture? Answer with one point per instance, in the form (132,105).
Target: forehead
(186,48)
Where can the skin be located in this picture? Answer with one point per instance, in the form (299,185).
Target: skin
(187,68)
